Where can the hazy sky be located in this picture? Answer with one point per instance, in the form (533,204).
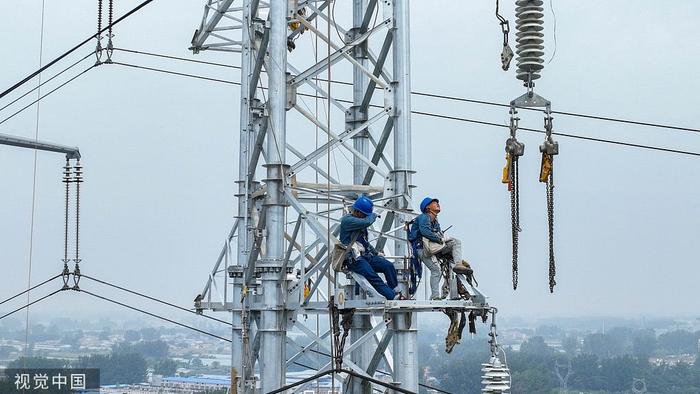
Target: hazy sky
(160,154)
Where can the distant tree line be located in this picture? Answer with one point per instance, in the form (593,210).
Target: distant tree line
(601,363)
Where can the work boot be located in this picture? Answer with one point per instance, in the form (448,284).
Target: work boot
(462,268)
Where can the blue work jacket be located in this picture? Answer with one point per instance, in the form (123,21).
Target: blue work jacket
(350,224)
(425,226)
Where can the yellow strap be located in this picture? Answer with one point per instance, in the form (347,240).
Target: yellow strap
(546,167)
(506,170)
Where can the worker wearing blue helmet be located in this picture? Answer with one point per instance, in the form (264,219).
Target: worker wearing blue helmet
(364,259)
(430,241)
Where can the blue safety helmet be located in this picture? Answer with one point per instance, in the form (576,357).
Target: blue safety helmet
(363,204)
(427,201)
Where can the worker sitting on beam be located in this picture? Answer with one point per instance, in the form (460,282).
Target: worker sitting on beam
(363,259)
(430,244)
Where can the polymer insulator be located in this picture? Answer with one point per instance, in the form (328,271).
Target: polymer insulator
(529,23)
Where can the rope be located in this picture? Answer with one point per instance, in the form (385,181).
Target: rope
(31,224)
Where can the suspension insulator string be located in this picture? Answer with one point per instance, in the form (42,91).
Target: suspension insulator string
(77,179)
(549,149)
(67,179)
(110,46)
(98,48)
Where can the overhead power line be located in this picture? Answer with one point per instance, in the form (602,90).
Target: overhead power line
(154,299)
(154,315)
(448,117)
(45,95)
(30,289)
(580,137)
(75,48)
(445,97)
(48,80)
(593,139)
(30,303)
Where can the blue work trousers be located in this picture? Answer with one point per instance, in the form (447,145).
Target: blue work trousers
(369,265)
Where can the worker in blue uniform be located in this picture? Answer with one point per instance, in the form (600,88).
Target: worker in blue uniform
(429,241)
(363,259)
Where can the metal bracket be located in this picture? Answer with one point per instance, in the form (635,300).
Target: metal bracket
(532,100)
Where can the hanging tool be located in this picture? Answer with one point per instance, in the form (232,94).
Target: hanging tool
(549,149)
(507,53)
(514,149)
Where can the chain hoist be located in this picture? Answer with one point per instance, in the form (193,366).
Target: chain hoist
(529,24)
(549,149)
(514,149)
(336,324)
(507,52)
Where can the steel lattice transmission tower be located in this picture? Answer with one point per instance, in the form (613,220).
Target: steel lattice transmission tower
(278,271)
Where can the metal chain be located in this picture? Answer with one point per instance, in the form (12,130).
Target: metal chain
(550,221)
(507,53)
(515,216)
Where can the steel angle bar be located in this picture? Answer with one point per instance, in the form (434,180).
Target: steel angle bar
(207,26)
(306,348)
(378,66)
(381,352)
(314,14)
(259,60)
(315,225)
(312,335)
(220,258)
(374,59)
(337,198)
(292,240)
(338,139)
(367,336)
(314,287)
(341,188)
(322,93)
(344,53)
(255,250)
(335,57)
(380,153)
(386,226)
(379,149)
(318,169)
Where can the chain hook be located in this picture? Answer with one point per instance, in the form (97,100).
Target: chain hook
(507,53)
